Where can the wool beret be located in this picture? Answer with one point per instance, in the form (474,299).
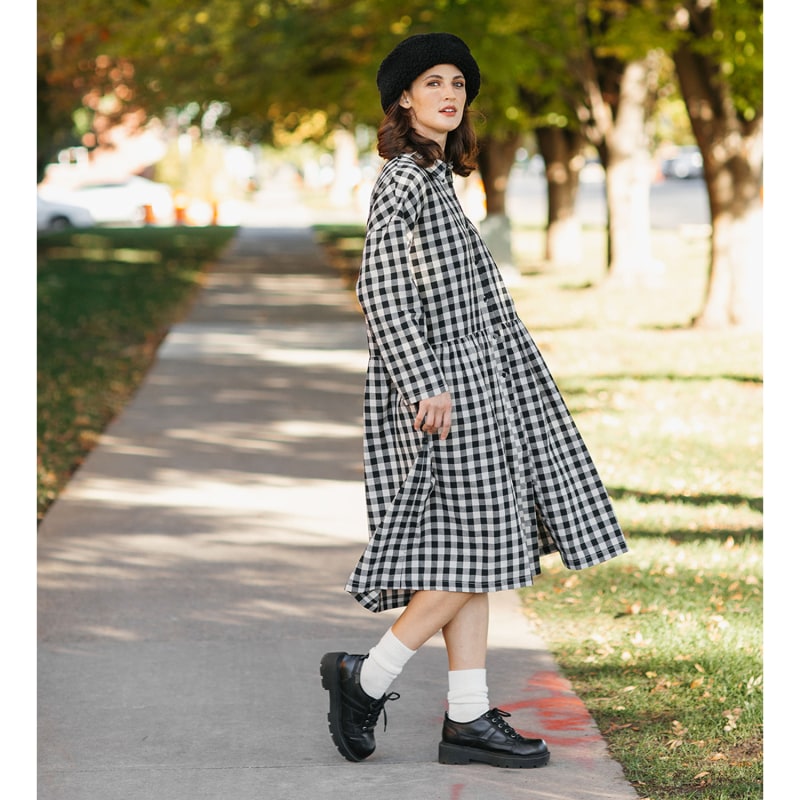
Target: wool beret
(420,52)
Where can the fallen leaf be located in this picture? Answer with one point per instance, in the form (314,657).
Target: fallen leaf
(674,744)
(614,727)
(678,728)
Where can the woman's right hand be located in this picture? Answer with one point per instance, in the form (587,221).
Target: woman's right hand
(434,414)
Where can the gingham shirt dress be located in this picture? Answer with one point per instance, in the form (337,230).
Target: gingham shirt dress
(513,480)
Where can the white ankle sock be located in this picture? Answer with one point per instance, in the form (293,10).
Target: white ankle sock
(468,697)
(386,661)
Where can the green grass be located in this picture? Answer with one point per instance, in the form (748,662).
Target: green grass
(664,647)
(664,644)
(106,298)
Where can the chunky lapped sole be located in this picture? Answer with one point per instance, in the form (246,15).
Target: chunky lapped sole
(461,754)
(329,671)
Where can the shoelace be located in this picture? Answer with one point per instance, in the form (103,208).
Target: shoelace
(495,717)
(375,708)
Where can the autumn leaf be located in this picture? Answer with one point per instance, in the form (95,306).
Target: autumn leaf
(732,718)
(674,744)
(678,727)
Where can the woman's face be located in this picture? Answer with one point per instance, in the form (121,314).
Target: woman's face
(436,101)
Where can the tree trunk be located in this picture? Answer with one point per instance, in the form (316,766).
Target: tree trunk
(561,150)
(732,159)
(495,160)
(628,180)
(345,167)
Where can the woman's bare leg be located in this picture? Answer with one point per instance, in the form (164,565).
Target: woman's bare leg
(466,634)
(427,613)
(462,617)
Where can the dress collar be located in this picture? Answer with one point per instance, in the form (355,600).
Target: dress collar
(442,171)
(439,170)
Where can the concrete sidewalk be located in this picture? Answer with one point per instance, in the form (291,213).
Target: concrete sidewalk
(190,577)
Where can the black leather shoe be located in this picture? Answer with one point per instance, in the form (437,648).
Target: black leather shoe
(353,713)
(490,740)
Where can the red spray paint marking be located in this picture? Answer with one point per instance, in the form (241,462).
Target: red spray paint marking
(456,789)
(558,710)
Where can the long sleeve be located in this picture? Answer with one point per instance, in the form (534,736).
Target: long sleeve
(390,298)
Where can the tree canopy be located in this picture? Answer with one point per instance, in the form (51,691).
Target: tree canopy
(274,62)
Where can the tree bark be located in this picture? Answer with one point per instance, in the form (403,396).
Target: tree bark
(628,179)
(345,167)
(618,100)
(732,152)
(495,160)
(561,150)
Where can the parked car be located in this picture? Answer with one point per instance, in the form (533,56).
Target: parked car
(686,163)
(592,171)
(122,203)
(52,215)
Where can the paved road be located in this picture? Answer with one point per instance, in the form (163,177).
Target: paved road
(673,203)
(190,577)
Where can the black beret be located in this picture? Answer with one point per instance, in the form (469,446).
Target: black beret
(416,54)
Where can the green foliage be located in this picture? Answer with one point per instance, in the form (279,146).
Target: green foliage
(275,63)
(730,34)
(106,297)
(627,31)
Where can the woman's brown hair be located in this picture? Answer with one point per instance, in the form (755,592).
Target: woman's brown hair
(396,136)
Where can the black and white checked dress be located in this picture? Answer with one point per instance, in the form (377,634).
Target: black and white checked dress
(513,480)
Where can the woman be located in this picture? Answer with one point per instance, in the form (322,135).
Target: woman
(473,465)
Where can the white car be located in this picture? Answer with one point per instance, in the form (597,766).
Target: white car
(122,203)
(686,162)
(52,215)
